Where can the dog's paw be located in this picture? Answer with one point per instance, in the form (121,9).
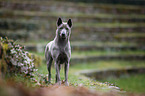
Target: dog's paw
(58,83)
(49,83)
(66,84)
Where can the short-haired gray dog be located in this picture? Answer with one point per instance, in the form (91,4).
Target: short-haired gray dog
(59,50)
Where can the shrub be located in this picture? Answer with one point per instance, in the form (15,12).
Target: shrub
(14,59)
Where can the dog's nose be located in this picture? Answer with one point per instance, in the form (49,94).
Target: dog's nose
(63,34)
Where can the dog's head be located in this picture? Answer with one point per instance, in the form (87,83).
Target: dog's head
(63,29)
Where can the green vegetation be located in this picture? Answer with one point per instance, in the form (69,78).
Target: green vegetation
(80,43)
(78,15)
(132,83)
(98,43)
(80,54)
(106,53)
(79,4)
(108,26)
(76,79)
(33,43)
(96,25)
(19,79)
(130,35)
(108,64)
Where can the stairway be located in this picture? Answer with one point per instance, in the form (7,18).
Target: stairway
(96,27)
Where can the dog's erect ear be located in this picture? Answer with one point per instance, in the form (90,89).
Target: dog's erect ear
(59,21)
(69,22)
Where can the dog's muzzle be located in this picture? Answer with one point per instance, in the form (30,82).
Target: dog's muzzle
(63,35)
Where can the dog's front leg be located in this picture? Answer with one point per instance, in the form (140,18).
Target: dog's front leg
(58,81)
(66,69)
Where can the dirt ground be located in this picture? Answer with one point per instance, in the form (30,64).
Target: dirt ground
(11,88)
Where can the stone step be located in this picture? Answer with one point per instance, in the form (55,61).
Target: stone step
(115,73)
(83,36)
(40,48)
(12,24)
(108,47)
(107,52)
(96,58)
(77,17)
(87,56)
(70,7)
(95,27)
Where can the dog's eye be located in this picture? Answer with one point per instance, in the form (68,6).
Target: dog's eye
(66,28)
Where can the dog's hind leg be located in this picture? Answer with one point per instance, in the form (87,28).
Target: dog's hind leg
(49,63)
(49,60)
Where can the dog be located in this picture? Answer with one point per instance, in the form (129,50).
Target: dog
(59,50)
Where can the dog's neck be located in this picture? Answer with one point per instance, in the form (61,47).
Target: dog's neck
(61,42)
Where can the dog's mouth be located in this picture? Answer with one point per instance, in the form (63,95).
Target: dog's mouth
(63,37)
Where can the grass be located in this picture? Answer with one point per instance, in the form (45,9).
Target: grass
(18,79)
(76,79)
(108,64)
(81,54)
(94,43)
(104,53)
(79,43)
(132,83)
(109,25)
(32,43)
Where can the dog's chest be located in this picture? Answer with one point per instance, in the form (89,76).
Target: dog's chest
(62,57)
